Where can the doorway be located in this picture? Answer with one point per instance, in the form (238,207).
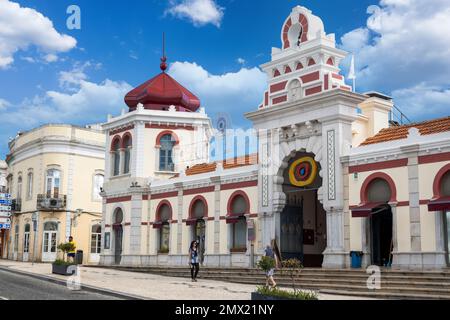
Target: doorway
(199,236)
(381,236)
(49,242)
(118,235)
(447,235)
(26,243)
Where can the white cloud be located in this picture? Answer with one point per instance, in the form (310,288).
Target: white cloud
(233,92)
(51,57)
(241,61)
(200,12)
(22,27)
(404,50)
(3,104)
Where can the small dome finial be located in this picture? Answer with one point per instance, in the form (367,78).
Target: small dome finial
(163,64)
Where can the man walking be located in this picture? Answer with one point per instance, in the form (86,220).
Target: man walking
(71,253)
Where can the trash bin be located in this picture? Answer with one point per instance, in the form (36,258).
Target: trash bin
(356,259)
(79,257)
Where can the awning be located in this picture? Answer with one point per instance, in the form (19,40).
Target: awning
(367,209)
(439,204)
(191,222)
(157,225)
(234,219)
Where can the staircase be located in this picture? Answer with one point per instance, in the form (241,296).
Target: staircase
(394,284)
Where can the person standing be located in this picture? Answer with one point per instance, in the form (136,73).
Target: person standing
(269,276)
(194,260)
(71,253)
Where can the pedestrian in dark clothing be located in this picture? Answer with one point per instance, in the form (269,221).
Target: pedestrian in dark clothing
(194,260)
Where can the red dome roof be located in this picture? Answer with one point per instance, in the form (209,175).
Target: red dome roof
(160,93)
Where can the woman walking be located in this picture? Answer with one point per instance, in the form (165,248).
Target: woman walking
(270,280)
(193,260)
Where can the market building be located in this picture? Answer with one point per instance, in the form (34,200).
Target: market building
(55,175)
(333,172)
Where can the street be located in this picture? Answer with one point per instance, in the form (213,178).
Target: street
(17,287)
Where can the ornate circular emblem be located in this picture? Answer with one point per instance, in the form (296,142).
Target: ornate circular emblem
(303,172)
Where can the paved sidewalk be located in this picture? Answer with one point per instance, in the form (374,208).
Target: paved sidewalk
(151,286)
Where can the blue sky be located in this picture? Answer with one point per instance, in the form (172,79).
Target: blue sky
(49,73)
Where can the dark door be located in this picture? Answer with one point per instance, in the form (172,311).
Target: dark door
(291,233)
(381,225)
(200,231)
(118,235)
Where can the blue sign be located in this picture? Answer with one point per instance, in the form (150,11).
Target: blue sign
(5,226)
(6,202)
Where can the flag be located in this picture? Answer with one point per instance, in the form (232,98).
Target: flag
(352,74)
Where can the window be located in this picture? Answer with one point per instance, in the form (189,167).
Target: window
(127,145)
(30,185)
(236,217)
(98,185)
(116,157)
(166,153)
(26,239)
(19,188)
(165,213)
(198,209)
(53,183)
(96,239)
(16,238)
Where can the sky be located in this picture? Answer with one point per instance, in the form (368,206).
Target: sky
(51,73)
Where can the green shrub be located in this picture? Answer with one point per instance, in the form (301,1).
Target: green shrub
(292,265)
(266,263)
(65,248)
(60,262)
(284,294)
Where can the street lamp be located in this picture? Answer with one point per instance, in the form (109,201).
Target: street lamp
(34,218)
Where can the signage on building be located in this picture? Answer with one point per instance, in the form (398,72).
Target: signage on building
(6,226)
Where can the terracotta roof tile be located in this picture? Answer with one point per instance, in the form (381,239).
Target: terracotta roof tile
(401,132)
(227,164)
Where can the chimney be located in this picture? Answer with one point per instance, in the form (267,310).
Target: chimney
(376,108)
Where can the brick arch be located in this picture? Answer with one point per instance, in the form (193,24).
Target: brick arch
(193,201)
(163,133)
(114,140)
(311,62)
(438,179)
(158,209)
(287,25)
(232,197)
(126,136)
(372,177)
(330,61)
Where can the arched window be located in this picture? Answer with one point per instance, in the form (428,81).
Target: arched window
(19,188)
(50,226)
(96,238)
(378,191)
(127,145)
(16,238)
(164,215)
(115,151)
(97,186)
(238,206)
(53,182)
(26,239)
(198,209)
(166,162)
(445,185)
(30,185)
(118,216)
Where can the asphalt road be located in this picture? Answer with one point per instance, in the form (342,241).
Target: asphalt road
(19,287)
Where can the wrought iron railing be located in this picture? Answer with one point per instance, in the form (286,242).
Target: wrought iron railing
(56,202)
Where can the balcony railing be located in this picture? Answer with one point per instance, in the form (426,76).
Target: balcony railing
(16,205)
(46,202)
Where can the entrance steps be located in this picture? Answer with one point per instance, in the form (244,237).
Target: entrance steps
(395,284)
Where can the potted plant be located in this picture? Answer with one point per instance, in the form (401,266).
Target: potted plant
(61,266)
(267,293)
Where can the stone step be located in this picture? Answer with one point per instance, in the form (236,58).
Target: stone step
(386,295)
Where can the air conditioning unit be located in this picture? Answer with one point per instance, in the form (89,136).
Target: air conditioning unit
(52,203)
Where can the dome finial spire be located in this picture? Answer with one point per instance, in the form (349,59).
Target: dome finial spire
(163,64)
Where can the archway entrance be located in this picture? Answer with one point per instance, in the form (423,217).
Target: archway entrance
(118,235)
(381,236)
(303,220)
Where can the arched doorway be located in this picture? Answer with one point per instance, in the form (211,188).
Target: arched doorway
(198,211)
(378,194)
(118,235)
(303,219)
(49,245)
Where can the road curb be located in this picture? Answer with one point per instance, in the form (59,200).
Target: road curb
(85,287)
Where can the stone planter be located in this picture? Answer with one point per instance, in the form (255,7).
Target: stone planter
(261,297)
(63,269)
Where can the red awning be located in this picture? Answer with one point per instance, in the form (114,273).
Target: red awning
(367,209)
(233,219)
(439,204)
(157,225)
(191,222)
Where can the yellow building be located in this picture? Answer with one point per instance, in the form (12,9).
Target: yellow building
(55,174)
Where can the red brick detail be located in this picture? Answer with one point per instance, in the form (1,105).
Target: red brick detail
(266,99)
(330,62)
(403,204)
(232,197)
(253,215)
(313,90)
(287,70)
(144,223)
(118,199)
(210,219)
(127,224)
(164,195)
(279,100)
(432,158)
(107,226)
(191,206)
(337,76)
(116,140)
(299,66)
(379,166)
(424,202)
(437,181)
(378,175)
(326,80)
(117,131)
(169,127)
(278,87)
(174,221)
(198,191)
(276,73)
(311,62)
(311,77)
(239,185)
(145,197)
(165,132)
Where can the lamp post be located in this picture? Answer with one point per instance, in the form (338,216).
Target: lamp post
(34,218)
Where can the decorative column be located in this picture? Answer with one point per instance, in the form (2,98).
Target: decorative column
(136,224)
(178,213)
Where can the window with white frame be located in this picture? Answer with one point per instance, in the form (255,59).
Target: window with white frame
(116,157)
(19,188)
(16,238)
(127,145)
(166,162)
(30,185)
(96,239)
(26,239)
(98,185)
(53,182)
